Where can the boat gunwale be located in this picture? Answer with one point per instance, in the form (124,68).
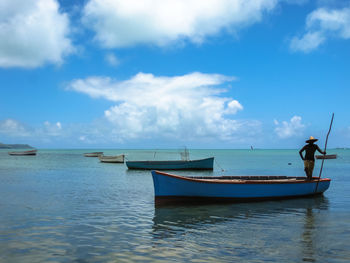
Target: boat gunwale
(217,180)
(169,161)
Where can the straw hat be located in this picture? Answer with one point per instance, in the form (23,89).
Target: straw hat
(311,139)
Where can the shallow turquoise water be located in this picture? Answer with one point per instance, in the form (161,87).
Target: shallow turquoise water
(59,206)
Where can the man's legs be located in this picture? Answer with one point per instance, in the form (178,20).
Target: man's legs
(309,167)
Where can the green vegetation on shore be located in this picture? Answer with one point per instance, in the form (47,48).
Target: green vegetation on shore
(15,146)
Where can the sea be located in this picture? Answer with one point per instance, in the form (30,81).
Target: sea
(60,206)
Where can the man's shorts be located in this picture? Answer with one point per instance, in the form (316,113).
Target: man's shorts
(309,165)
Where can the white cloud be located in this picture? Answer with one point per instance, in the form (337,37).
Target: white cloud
(51,129)
(233,106)
(46,131)
(295,2)
(122,23)
(308,42)
(181,107)
(112,59)
(33,33)
(322,24)
(289,129)
(13,128)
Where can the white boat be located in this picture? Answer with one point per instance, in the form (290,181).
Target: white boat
(111,159)
(93,154)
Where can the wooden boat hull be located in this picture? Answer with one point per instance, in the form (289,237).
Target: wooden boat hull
(329,156)
(94,154)
(202,164)
(112,159)
(31,152)
(173,188)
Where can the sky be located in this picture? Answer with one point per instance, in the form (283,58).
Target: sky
(207,74)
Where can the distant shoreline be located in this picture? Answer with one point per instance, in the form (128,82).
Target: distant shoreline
(15,146)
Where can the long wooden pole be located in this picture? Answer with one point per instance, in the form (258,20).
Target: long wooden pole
(325,147)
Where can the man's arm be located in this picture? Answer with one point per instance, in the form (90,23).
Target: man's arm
(301,153)
(318,149)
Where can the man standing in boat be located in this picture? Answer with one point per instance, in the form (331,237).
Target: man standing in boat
(309,159)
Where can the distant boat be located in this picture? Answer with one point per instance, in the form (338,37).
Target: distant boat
(30,152)
(201,164)
(93,154)
(329,156)
(111,159)
(170,188)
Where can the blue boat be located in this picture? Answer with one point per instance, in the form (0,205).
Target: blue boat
(170,188)
(202,164)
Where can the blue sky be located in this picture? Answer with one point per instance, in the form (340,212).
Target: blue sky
(165,74)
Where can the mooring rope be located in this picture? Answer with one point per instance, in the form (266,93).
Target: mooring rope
(222,170)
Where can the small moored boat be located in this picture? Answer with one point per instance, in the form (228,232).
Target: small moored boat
(328,156)
(201,164)
(170,188)
(111,159)
(93,154)
(30,152)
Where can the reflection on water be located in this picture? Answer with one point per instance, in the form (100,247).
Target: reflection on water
(188,216)
(307,236)
(289,223)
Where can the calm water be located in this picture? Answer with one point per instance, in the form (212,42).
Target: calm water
(59,206)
